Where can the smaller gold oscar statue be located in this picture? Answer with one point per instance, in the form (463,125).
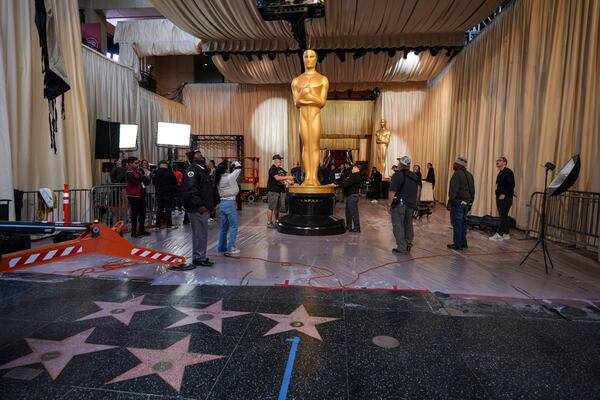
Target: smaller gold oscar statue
(310,94)
(382,139)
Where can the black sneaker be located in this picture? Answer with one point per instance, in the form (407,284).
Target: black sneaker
(452,246)
(203,263)
(408,248)
(354,230)
(399,252)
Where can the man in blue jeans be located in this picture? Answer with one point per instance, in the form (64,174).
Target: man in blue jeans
(460,198)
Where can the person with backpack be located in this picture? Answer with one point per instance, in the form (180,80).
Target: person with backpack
(226,179)
(405,188)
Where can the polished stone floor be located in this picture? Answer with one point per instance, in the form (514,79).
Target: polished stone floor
(87,338)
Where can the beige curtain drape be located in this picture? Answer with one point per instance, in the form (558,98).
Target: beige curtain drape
(345,117)
(393,23)
(233,25)
(377,69)
(259,113)
(25,111)
(527,88)
(113,95)
(152,37)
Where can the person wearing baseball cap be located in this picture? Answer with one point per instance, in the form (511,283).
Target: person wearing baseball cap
(460,198)
(276,190)
(405,188)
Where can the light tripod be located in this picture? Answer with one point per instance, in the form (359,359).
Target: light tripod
(542,238)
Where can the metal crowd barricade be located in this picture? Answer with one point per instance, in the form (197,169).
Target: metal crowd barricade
(110,204)
(572,217)
(34,208)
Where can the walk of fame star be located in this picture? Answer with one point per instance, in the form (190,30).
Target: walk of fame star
(169,364)
(211,316)
(298,320)
(56,354)
(122,311)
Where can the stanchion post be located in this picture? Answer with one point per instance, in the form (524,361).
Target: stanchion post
(66,204)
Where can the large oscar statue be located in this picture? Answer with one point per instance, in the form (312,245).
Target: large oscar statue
(382,139)
(310,204)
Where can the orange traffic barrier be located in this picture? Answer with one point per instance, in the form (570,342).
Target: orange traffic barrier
(98,239)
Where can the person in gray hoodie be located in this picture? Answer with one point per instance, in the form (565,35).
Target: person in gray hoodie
(226,181)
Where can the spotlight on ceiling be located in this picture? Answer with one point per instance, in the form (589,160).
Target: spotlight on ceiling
(434,51)
(417,51)
(341,54)
(249,56)
(404,54)
(225,56)
(259,55)
(271,55)
(320,56)
(391,53)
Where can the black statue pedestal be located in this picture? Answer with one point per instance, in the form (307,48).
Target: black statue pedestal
(311,213)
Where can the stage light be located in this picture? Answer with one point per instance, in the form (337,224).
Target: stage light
(341,54)
(358,54)
(550,166)
(225,56)
(321,56)
(391,53)
(434,51)
(271,55)
(404,54)
(259,55)
(128,137)
(417,51)
(173,135)
(249,56)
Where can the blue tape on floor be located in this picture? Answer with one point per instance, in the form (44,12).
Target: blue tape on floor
(289,368)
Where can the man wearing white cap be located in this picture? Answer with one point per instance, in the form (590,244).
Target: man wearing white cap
(404,191)
(460,198)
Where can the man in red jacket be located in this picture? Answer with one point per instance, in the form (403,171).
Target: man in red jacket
(136,194)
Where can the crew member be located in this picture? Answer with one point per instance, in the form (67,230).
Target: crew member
(136,194)
(460,198)
(276,185)
(351,185)
(165,184)
(505,188)
(198,199)
(405,188)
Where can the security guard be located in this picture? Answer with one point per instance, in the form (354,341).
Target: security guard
(198,199)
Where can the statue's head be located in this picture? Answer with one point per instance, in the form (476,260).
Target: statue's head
(310,59)
(382,123)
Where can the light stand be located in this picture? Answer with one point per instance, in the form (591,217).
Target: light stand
(542,238)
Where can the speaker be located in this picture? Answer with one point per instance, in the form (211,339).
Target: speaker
(107,140)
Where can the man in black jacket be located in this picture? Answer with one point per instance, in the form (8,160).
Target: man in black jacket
(430,175)
(165,184)
(460,198)
(505,188)
(405,189)
(198,199)
(351,185)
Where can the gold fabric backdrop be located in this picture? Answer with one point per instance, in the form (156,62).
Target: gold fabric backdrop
(526,88)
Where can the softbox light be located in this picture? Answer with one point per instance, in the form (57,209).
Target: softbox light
(173,135)
(128,137)
(565,178)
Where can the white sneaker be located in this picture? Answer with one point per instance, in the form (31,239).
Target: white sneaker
(496,237)
(233,250)
(506,237)
(211,221)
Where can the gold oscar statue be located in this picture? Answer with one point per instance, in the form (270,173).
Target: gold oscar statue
(382,138)
(310,93)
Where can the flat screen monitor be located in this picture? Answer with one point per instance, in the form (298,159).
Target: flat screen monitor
(128,137)
(173,135)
